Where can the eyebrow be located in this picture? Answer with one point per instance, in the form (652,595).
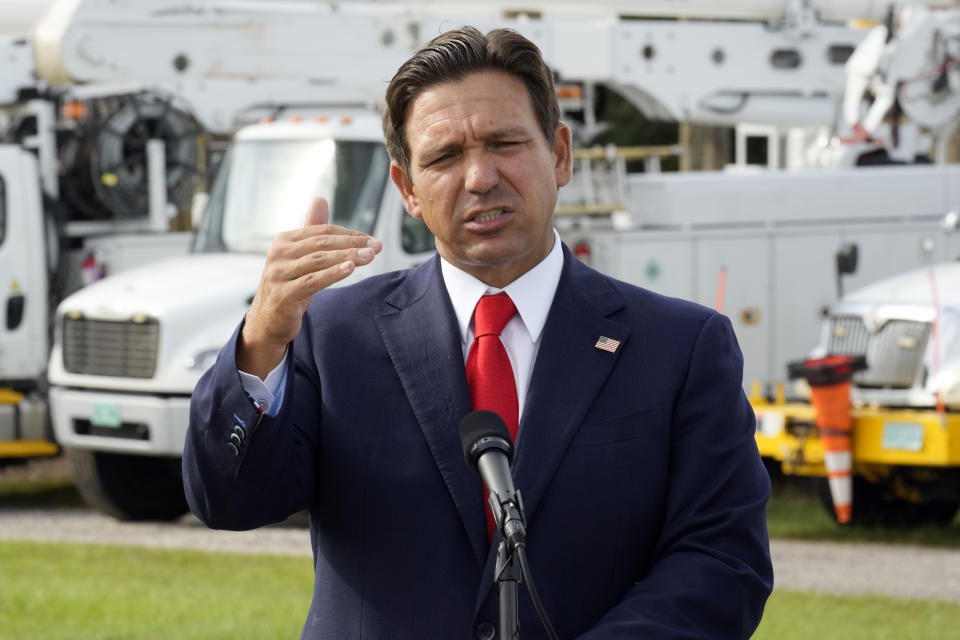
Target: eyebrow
(509,132)
(497,134)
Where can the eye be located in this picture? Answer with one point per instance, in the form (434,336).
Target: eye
(439,159)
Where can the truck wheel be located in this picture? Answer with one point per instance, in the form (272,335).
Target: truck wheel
(940,513)
(872,507)
(129,487)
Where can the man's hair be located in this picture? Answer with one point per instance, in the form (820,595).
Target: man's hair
(451,56)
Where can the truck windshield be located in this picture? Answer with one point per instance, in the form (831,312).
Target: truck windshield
(266,186)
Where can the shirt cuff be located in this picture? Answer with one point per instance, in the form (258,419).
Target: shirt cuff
(267,393)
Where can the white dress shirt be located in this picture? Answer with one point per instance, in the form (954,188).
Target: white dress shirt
(532,294)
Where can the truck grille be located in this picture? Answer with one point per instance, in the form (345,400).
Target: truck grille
(125,349)
(894,353)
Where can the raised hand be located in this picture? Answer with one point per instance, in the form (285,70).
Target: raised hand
(299,264)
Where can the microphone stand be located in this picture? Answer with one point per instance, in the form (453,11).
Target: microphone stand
(508,575)
(508,572)
(481,431)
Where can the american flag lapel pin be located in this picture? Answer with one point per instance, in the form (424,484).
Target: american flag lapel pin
(607,344)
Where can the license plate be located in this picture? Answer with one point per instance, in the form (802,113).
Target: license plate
(106,415)
(770,424)
(902,436)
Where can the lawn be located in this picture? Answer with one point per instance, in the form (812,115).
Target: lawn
(795,512)
(796,615)
(92,592)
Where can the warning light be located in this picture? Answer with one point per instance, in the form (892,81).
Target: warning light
(569,91)
(74,110)
(582,251)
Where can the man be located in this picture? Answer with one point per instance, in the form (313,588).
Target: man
(644,493)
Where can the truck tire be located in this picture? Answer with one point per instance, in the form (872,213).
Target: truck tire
(129,487)
(873,507)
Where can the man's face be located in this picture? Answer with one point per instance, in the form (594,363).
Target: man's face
(483,176)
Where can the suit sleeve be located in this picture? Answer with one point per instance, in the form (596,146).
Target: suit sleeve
(711,573)
(243,468)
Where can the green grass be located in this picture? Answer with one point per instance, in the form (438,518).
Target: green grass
(799,615)
(87,592)
(37,485)
(39,494)
(795,512)
(90,592)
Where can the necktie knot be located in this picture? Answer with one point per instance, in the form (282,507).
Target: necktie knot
(492,315)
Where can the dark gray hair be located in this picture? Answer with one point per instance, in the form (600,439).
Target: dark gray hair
(453,55)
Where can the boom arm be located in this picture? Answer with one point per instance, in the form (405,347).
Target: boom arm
(912,65)
(229,58)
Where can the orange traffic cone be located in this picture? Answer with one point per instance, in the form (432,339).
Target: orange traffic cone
(830,379)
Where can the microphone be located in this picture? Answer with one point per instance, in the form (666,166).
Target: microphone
(488,450)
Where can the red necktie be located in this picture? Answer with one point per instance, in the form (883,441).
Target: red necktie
(489,374)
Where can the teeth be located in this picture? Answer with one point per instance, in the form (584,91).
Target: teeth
(489,215)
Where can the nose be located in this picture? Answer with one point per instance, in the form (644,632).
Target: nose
(482,174)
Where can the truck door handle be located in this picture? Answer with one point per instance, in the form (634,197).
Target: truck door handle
(15,304)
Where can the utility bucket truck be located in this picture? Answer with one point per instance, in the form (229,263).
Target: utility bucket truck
(88,174)
(111,117)
(123,366)
(894,457)
(905,416)
(129,349)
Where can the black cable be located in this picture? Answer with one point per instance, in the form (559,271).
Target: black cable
(521,551)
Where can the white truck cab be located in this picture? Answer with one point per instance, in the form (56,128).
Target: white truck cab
(129,349)
(23,269)
(908,328)
(24,307)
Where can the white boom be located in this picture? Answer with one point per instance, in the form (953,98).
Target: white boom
(774,62)
(782,72)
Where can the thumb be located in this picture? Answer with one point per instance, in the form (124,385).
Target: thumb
(319,212)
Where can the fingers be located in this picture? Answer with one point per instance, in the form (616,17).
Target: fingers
(320,260)
(319,230)
(319,212)
(309,283)
(296,244)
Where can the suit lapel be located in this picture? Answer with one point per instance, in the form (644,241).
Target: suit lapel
(568,374)
(421,335)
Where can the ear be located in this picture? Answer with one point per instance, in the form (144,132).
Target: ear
(562,154)
(410,200)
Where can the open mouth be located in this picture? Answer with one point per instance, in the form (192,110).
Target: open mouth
(488,216)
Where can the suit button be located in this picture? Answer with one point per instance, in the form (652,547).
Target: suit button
(233,448)
(486,631)
(235,439)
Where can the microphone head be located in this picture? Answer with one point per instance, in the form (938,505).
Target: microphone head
(483,430)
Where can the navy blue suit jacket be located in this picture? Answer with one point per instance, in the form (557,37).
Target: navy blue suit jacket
(644,492)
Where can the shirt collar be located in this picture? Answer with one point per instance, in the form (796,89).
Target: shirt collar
(532,293)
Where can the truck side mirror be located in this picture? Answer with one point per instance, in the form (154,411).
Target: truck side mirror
(15,305)
(847,256)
